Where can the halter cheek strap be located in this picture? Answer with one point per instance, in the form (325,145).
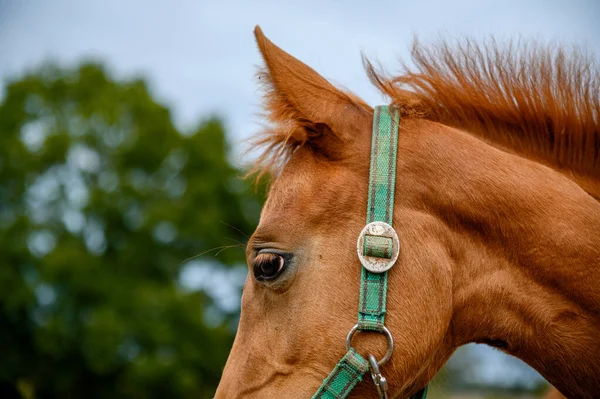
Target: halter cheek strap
(378,248)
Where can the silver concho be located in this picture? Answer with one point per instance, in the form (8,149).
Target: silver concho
(371,263)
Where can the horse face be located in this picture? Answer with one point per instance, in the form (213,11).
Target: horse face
(301,295)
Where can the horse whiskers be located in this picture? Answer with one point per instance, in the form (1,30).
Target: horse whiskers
(236,241)
(220,249)
(236,229)
(230,246)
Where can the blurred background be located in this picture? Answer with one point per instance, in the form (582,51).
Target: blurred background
(122,212)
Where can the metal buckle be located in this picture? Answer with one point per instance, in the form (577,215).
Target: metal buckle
(378,379)
(388,336)
(372,263)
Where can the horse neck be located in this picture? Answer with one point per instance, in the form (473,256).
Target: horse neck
(525,241)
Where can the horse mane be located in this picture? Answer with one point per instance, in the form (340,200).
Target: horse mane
(539,101)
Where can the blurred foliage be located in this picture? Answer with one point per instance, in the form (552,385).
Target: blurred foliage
(101,199)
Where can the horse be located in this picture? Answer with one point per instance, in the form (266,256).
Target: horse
(497,210)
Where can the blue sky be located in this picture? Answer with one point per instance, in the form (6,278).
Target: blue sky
(200,57)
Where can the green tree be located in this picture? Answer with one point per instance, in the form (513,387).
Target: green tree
(101,199)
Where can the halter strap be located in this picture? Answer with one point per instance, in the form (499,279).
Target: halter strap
(380,208)
(377,251)
(343,378)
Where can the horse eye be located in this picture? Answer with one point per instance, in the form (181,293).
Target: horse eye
(268,266)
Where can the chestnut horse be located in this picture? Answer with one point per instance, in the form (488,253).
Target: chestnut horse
(497,206)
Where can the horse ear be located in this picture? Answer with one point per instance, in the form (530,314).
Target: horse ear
(296,93)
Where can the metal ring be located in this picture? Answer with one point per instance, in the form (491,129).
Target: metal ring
(388,336)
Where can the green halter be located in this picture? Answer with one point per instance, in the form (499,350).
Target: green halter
(378,248)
